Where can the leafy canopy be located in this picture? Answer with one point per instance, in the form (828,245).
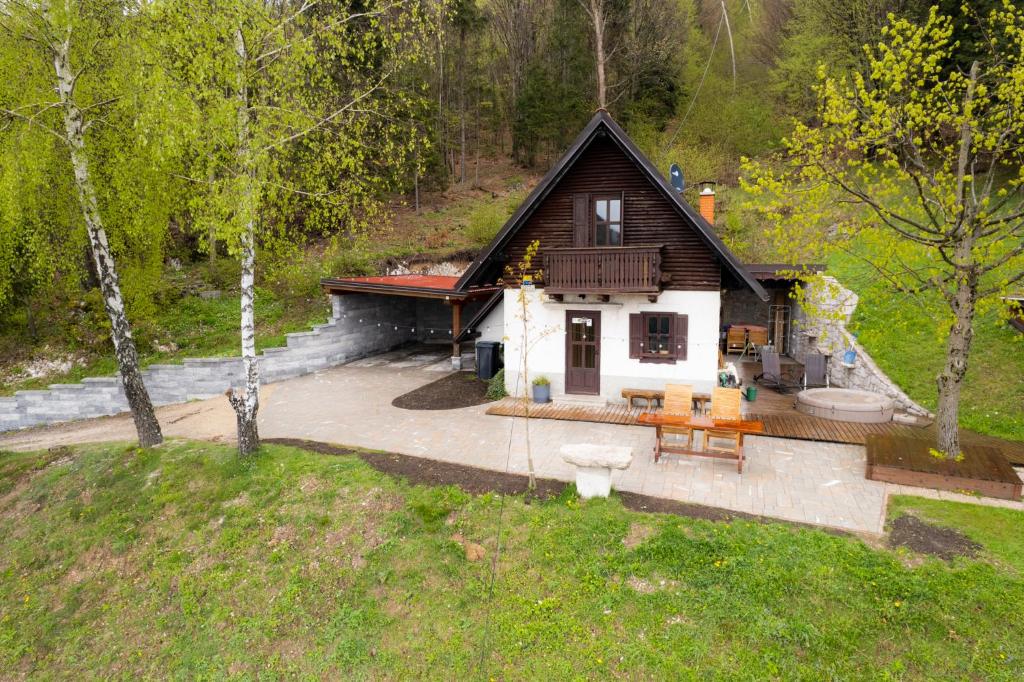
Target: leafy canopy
(918,160)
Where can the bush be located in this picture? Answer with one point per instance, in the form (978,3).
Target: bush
(485,220)
(496,386)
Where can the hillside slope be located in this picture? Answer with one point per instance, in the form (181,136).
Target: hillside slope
(183,561)
(907,340)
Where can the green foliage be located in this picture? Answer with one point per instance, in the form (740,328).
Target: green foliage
(541,381)
(496,386)
(42,241)
(183,561)
(485,219)
(926,159)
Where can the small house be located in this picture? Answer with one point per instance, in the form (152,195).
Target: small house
(626,288)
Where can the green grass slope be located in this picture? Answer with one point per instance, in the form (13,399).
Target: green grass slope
(906,337)
(184,562)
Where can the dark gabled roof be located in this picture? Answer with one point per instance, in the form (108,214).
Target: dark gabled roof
(603,122)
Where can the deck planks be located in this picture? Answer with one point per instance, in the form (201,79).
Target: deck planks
(777,425)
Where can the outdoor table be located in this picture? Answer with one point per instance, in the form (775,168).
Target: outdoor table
(741,427)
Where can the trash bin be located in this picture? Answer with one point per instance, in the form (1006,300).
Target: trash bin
(488,362)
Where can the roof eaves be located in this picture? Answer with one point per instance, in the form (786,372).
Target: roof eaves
(484,311)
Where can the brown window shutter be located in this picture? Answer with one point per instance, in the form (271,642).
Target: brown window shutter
(682,331)
(581,219)
(636,335)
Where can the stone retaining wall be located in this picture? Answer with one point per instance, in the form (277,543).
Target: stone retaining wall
(820,326)
(358,328)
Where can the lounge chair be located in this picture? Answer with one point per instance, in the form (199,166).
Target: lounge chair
(725,404)
(771,372)
(678,402)
(815,371)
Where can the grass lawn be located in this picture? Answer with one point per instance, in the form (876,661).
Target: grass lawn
(907,340)
(182,561)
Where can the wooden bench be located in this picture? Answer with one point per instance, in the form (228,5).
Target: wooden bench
(653,396)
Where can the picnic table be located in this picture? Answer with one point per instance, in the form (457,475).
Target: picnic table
(741,427)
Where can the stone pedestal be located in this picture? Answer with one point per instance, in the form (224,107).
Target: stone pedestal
(594,464)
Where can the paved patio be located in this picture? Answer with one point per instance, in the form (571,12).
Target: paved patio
(806,482)
(815,483)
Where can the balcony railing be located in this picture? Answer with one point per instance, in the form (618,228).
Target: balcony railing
(603,270)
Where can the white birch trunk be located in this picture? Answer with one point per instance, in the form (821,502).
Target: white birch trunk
(246,404)
(146,424)
(597,16)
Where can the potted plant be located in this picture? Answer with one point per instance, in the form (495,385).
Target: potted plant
(541,389)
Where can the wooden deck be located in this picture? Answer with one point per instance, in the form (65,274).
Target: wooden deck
(778,423)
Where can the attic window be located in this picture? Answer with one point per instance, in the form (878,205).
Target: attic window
(608,220)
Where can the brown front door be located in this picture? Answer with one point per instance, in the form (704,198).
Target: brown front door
(582,352)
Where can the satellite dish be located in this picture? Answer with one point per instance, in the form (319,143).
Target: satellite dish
(675,174)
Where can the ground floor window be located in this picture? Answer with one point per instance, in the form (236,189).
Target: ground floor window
(658,336)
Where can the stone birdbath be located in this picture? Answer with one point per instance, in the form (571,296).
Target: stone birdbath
(594,464)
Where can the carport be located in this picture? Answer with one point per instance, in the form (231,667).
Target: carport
(388,311)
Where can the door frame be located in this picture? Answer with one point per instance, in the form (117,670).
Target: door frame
(596,316)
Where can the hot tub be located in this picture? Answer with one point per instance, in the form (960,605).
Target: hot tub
(845,405)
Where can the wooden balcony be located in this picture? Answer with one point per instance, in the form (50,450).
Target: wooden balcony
(603,270)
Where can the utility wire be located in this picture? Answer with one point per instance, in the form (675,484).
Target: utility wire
(696,92)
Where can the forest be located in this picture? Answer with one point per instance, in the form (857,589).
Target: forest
(279,140)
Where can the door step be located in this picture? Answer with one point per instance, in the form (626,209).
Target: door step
(579,400)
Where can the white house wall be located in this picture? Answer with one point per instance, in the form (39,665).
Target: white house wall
(492,327)
(546,340)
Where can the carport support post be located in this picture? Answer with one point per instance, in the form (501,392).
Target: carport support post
(456,330)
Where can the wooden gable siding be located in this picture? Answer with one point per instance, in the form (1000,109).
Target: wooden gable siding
(647,218)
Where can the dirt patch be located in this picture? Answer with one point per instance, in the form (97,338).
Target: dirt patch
(643,586)
(283,535)
(310,484)
(636,535)
(460,389)
(916,535)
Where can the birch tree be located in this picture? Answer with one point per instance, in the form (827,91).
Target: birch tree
(291,101)
(927,159)
(63,44)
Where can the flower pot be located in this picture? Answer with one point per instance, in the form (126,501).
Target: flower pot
(542,393)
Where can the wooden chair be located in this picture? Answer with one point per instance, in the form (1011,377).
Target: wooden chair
(735,339)
(678,402)
(725,404)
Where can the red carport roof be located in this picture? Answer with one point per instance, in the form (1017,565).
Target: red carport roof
(421,286)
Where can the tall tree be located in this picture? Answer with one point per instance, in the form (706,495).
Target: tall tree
(295,101)
(597,12)
(930,155)
(76,39)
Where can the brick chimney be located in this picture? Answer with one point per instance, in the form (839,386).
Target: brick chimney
(707,202)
